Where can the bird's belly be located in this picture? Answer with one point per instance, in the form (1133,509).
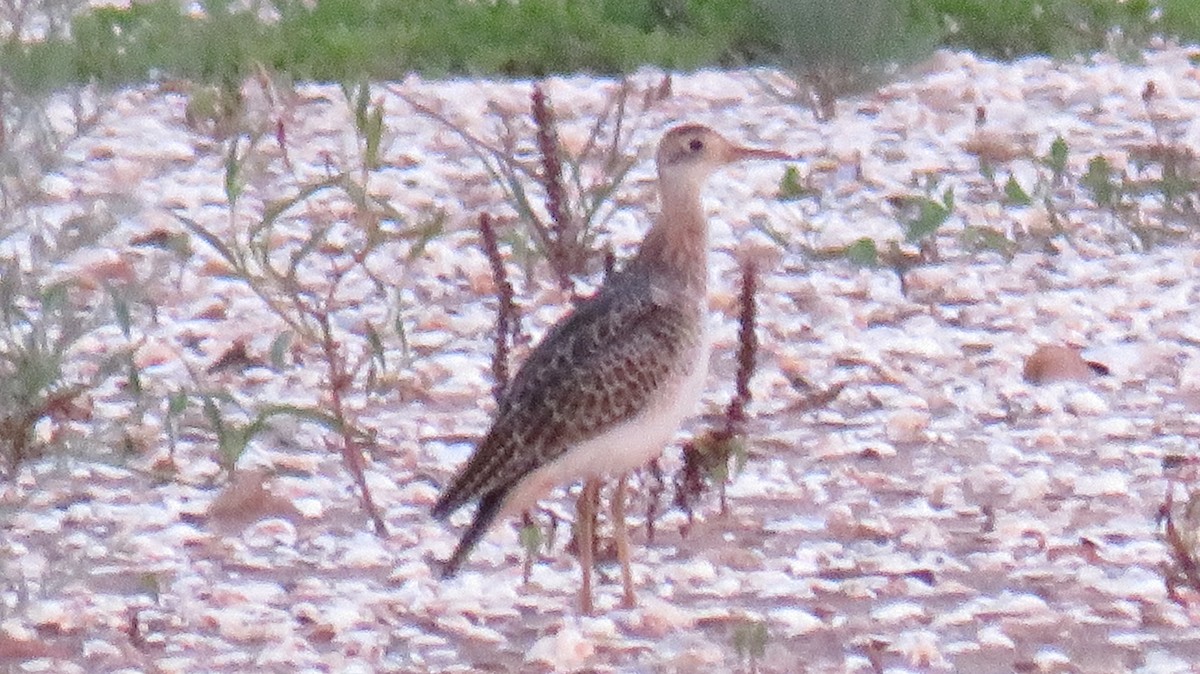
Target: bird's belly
(624,447)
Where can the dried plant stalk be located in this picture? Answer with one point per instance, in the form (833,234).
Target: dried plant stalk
(561,232)
(575,198)
(735,413)
(505,311)
(689,481)
(16,428)
(350,447)
(1180,527)
(707,457)
(655,488)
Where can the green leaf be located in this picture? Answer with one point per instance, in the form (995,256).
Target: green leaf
(362,98)
(741,453)
(121,311)
(750,639)
(1015,194)
(233,170)
(316,237)
(988,239)
(213,414)
(309,414)
(1056,160)
(987,170)
(10,289)
(948,200)
(378,353)
(791,187)
(863,253)
(176,403)
(373,136)
(717,461)
(211,239)
(278,207)
(151,585)
(54,298)
(531,538)
(1099,181)
(764,225)
(134,378)
(425,231)
(231,444)
(279,347)
(398,326)
(931,216)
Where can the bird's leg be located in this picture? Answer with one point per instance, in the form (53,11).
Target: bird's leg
(621,533)
(585,539)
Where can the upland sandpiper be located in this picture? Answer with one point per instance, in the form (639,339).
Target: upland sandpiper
(609,385)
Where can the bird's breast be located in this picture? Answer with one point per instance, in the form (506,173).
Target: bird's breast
(632,443)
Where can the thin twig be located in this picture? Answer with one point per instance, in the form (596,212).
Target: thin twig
(689,483)
(349,447)
(655,488)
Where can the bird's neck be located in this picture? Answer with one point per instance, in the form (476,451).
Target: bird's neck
(676,247)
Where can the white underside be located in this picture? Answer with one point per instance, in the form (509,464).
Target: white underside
(622,448)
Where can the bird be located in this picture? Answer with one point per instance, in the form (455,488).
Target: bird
(609,385)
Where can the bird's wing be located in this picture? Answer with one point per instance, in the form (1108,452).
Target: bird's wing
(598,367)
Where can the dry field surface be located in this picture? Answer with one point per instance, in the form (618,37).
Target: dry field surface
(940,513)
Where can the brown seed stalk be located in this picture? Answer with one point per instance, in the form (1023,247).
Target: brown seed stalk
(505,310)
(735,413)
(560,238)
(709,454)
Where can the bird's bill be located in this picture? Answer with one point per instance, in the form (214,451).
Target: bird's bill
(739,153)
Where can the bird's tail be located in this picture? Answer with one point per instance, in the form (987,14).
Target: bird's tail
(485,514)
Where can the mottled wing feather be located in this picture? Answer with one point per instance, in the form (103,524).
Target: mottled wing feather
(597,368)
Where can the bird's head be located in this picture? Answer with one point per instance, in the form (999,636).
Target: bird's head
(687,154)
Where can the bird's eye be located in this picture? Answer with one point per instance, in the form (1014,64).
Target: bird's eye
(696,145)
